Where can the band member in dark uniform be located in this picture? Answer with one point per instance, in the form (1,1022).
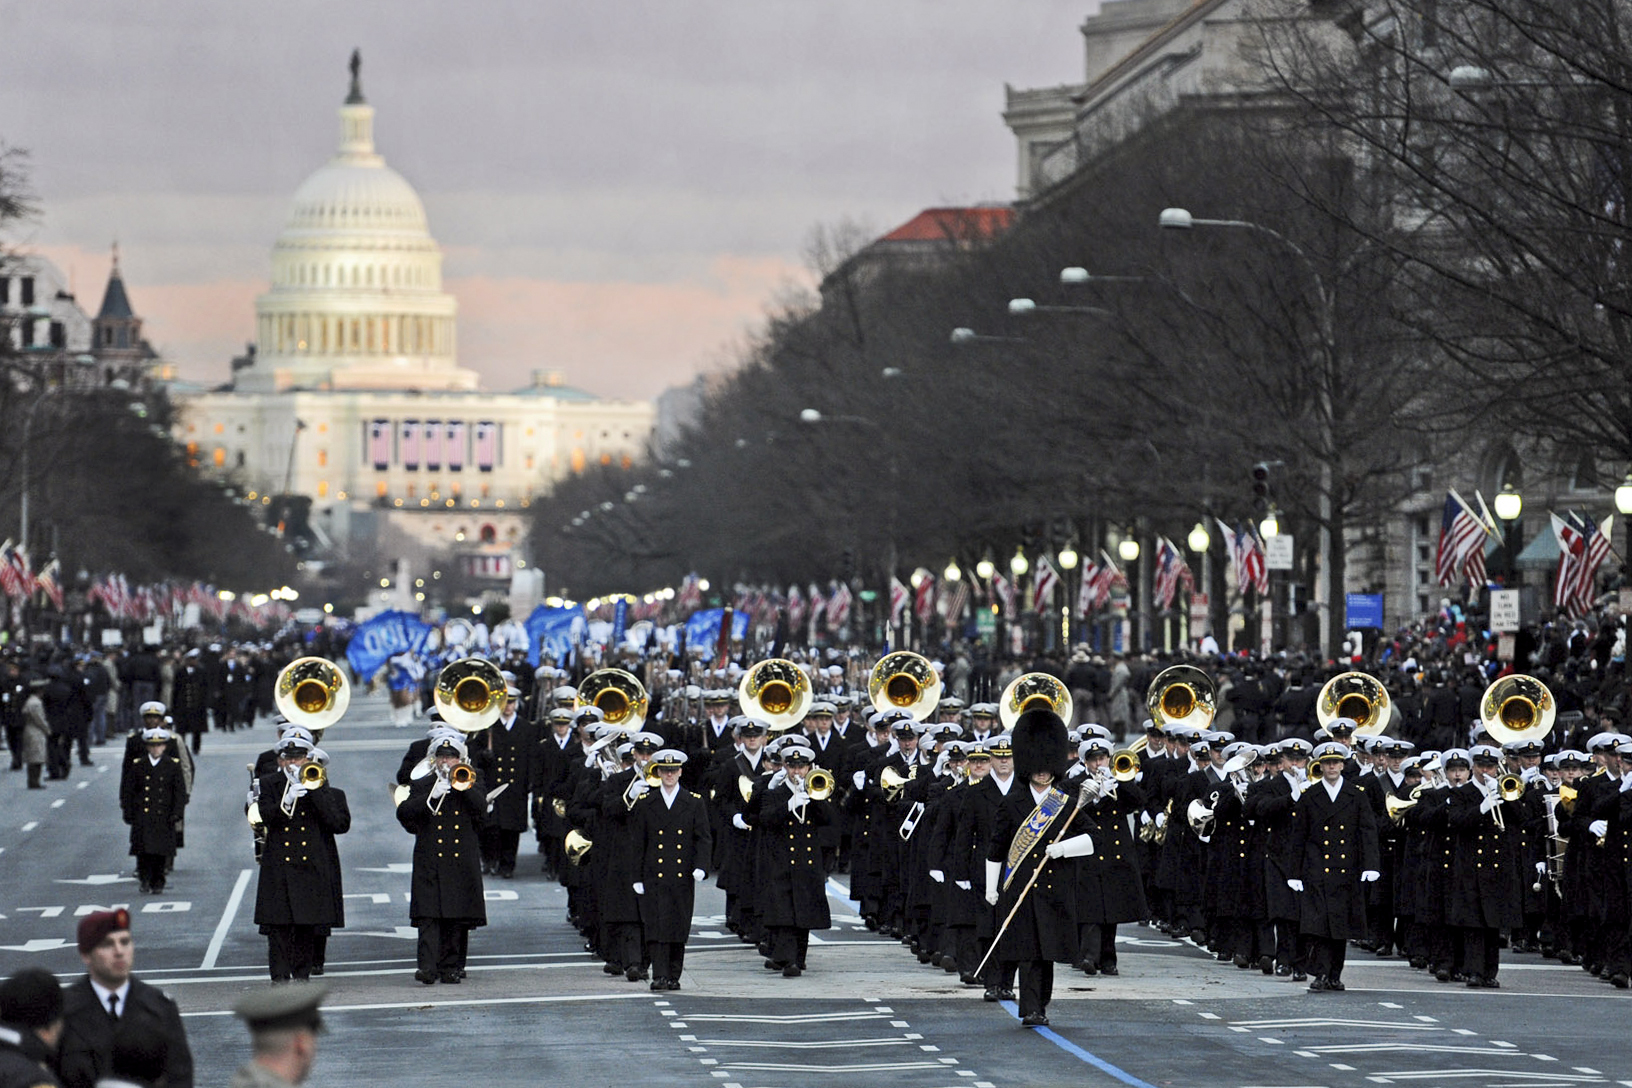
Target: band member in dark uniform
(792,893)
(445,811)
(299,892)
(669,826)
(514,743)
(1027,841)
(1332,854)
(153,797)
(1110,889)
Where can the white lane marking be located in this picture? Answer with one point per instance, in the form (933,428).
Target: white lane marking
(1426,1019)
(82,785)
(1463,1031)
(1498,1042)
(816,1045)
(1209,1015)
(31,825)
(213,952)
(1182,1001)
(794,1018)
(59,802)
(1271,1040)
(443,1004)
(1390,1005)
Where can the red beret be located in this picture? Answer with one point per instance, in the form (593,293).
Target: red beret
(94,927)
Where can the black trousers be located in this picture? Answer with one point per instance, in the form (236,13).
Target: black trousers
(1288,944)
(291,951)
(1099,944)
(508,843)
(150,870)
(668,958)
(625,948)
(1326,956)
(442,945)
(1481,952)
(789,944)
(1036,986)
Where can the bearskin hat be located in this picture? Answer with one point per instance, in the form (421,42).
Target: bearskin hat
(1041,743)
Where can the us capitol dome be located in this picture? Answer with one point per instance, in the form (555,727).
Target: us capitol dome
(352,399)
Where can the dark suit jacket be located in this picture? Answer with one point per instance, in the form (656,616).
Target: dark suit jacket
(87,1033)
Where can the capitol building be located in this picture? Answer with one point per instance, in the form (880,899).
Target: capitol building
(353,396)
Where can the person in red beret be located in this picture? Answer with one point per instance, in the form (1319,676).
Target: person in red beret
(107,998)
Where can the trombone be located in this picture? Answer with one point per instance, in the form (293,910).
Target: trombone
(312,691)
(1509,787)
(819,784)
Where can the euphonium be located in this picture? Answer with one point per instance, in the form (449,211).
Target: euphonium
(893,781)
(313,776)
(819,784)
(1397,807)
(470,694)
(906,681)
(1517,708)
(619,697)
(1182,695)
(1033,691)
(1358,697)
(777,692)
(312,691)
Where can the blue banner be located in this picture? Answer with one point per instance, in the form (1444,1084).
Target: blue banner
(620,619)
(383,637)
(703,628)
(554,631)
(1363,610)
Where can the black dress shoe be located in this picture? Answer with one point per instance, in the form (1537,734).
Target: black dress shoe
(949,964)
(1619,981)
(1475,982)
(991,994)
(1491,984)
(774,965)
(792,970)
(635,973)
(968,979)
(317,969)
(1005,994)
(1241,960)
(427,977)
(1282,971)
(1443,974)
(1298,976)
(1222,957)
(1266,964)
(1035,1020)
(1335,985)
(1108,969)
(1318,986)
(1090,969)
(451,978)
(660,984)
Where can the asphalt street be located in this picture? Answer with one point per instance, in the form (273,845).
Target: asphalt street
(537,1010)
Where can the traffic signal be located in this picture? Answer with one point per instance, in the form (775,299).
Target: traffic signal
(1261,490)
(847,567)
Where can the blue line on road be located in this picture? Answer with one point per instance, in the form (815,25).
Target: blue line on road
(1080,1054)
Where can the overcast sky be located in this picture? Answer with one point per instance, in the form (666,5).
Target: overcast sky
(620,189)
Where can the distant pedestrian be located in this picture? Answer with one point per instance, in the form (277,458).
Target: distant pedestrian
(30,1026)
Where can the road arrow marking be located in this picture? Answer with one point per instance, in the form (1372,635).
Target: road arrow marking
(394,867)
(407,933)
(372,897)
(101,878)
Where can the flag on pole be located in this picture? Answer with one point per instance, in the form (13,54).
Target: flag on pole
(1572,554)
(838,606)
(1598,548)
(818,605)
(796,608)
(952,602)
(1085,592)
(1171,569)
(1043,585)
(898,599)
(1461,543)
(1004,589)
(49,582)
(1246,558)
(923,604)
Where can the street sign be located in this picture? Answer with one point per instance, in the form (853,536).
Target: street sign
(1363,610)
(1198,610)
(1624,601)
(1504,610)
(1506,646)
(1278,552)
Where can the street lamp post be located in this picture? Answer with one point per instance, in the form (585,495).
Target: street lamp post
(1068,563)
(1128,549)
(1326,320)
(814,417)
(1509,505)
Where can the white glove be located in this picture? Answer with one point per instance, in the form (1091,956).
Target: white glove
(638,788)
(860,779)
(1370,875)
(1490,802)
(739,823)
(251,800)
(1295,885)
(1077,846)
(937,876)
(1541,868)
(964,884)
(1091,789)
(994,870)
(439,787)
(798,801)
(640,887)
(1161,819)
(698,875)
(1144,819)
(295,793)
(1529,775)
(1599,828)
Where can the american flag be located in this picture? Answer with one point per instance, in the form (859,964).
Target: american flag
(954,596)
(1004,589)
(1171,570)
(18,573)
(899,596)
(818,604)
(923,604)
(1246,558)
(838,606)
(691,594)
(1582,548)
(1043,586)
(49,582)
(796,608)
(1461,544)
(1085,593)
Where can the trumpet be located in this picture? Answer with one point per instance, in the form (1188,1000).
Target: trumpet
(819,784)
(1509,787)
(312,691)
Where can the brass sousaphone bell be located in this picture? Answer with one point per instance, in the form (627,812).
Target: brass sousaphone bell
(1033,691)
(776,692)
(470,694)
(619,697)
(1517,708)
(312,692)
(1358,697)
(906,681)
(1182,695)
